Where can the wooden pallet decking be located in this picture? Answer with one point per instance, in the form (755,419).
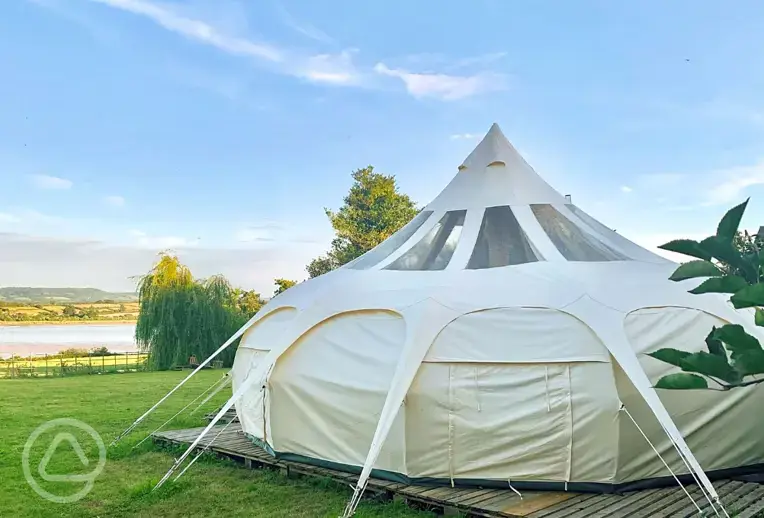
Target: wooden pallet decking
(744,499)
(229,416)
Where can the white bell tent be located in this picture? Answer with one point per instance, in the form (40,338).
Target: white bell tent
(498,339)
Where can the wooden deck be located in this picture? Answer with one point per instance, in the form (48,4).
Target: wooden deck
(741,499)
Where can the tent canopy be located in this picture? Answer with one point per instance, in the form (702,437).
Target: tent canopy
(494,338)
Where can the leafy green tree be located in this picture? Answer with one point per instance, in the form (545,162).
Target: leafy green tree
(282,285)
(373,210)
(180,316)
(731,263)
(250,302)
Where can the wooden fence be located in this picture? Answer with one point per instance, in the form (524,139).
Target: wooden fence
(47,365)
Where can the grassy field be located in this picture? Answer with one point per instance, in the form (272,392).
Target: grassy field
(109,403)
(51,313)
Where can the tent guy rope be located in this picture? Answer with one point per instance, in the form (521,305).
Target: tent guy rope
(226,380)
(220,349)
(216,383)
(644,435)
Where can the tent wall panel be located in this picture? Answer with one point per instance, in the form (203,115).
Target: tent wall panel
(510,421)
(250,407)
(426,410)
(264,331)
(517,335)
(253,347)
(595,428)
(330,412)
(520,421)
(702,416)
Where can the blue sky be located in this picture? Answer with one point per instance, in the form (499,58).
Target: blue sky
(221,128)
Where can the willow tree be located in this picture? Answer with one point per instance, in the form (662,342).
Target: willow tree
(182,317)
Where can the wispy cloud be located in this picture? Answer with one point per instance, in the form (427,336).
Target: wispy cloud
(302,27)
(703,189)
(198,30)
(444,87)
(329,69)
(334,69)
(626,189)
(450,63)
(44,181)
(272,231)
(144,240)
(482,60)
(254,233)
(46,261)
(9,218)
(114,201)
(729,185)
(465,136)
(165,242)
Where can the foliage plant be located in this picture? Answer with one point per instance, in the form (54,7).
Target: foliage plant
(182,317)
(731,262)
(282,285)
(373,210)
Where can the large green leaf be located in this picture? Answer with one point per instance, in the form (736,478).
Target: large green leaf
(759,317)
(726,284)
(725,251)
(695,269)
(671,356)
(750,362)
(682,381)
(729,224)
(749,296)
(687,247)
(715,346)
(736,339)
(710,365)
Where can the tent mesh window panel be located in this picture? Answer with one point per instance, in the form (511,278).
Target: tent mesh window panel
(501,241)
(391,244)
(433,251)
(572,242)
(595,225)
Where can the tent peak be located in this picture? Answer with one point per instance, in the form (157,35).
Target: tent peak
(493,150)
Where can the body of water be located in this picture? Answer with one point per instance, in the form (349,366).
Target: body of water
(42,339)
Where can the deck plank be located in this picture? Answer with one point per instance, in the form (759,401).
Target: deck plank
(536,502)
(744,498)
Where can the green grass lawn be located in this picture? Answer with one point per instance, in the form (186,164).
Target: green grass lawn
(109,403)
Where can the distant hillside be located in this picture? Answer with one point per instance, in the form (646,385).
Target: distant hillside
(37,295)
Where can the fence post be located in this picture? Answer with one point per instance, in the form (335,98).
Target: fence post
(103,368)
(62,365)
(46,365)
(126,367)
(90,363)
